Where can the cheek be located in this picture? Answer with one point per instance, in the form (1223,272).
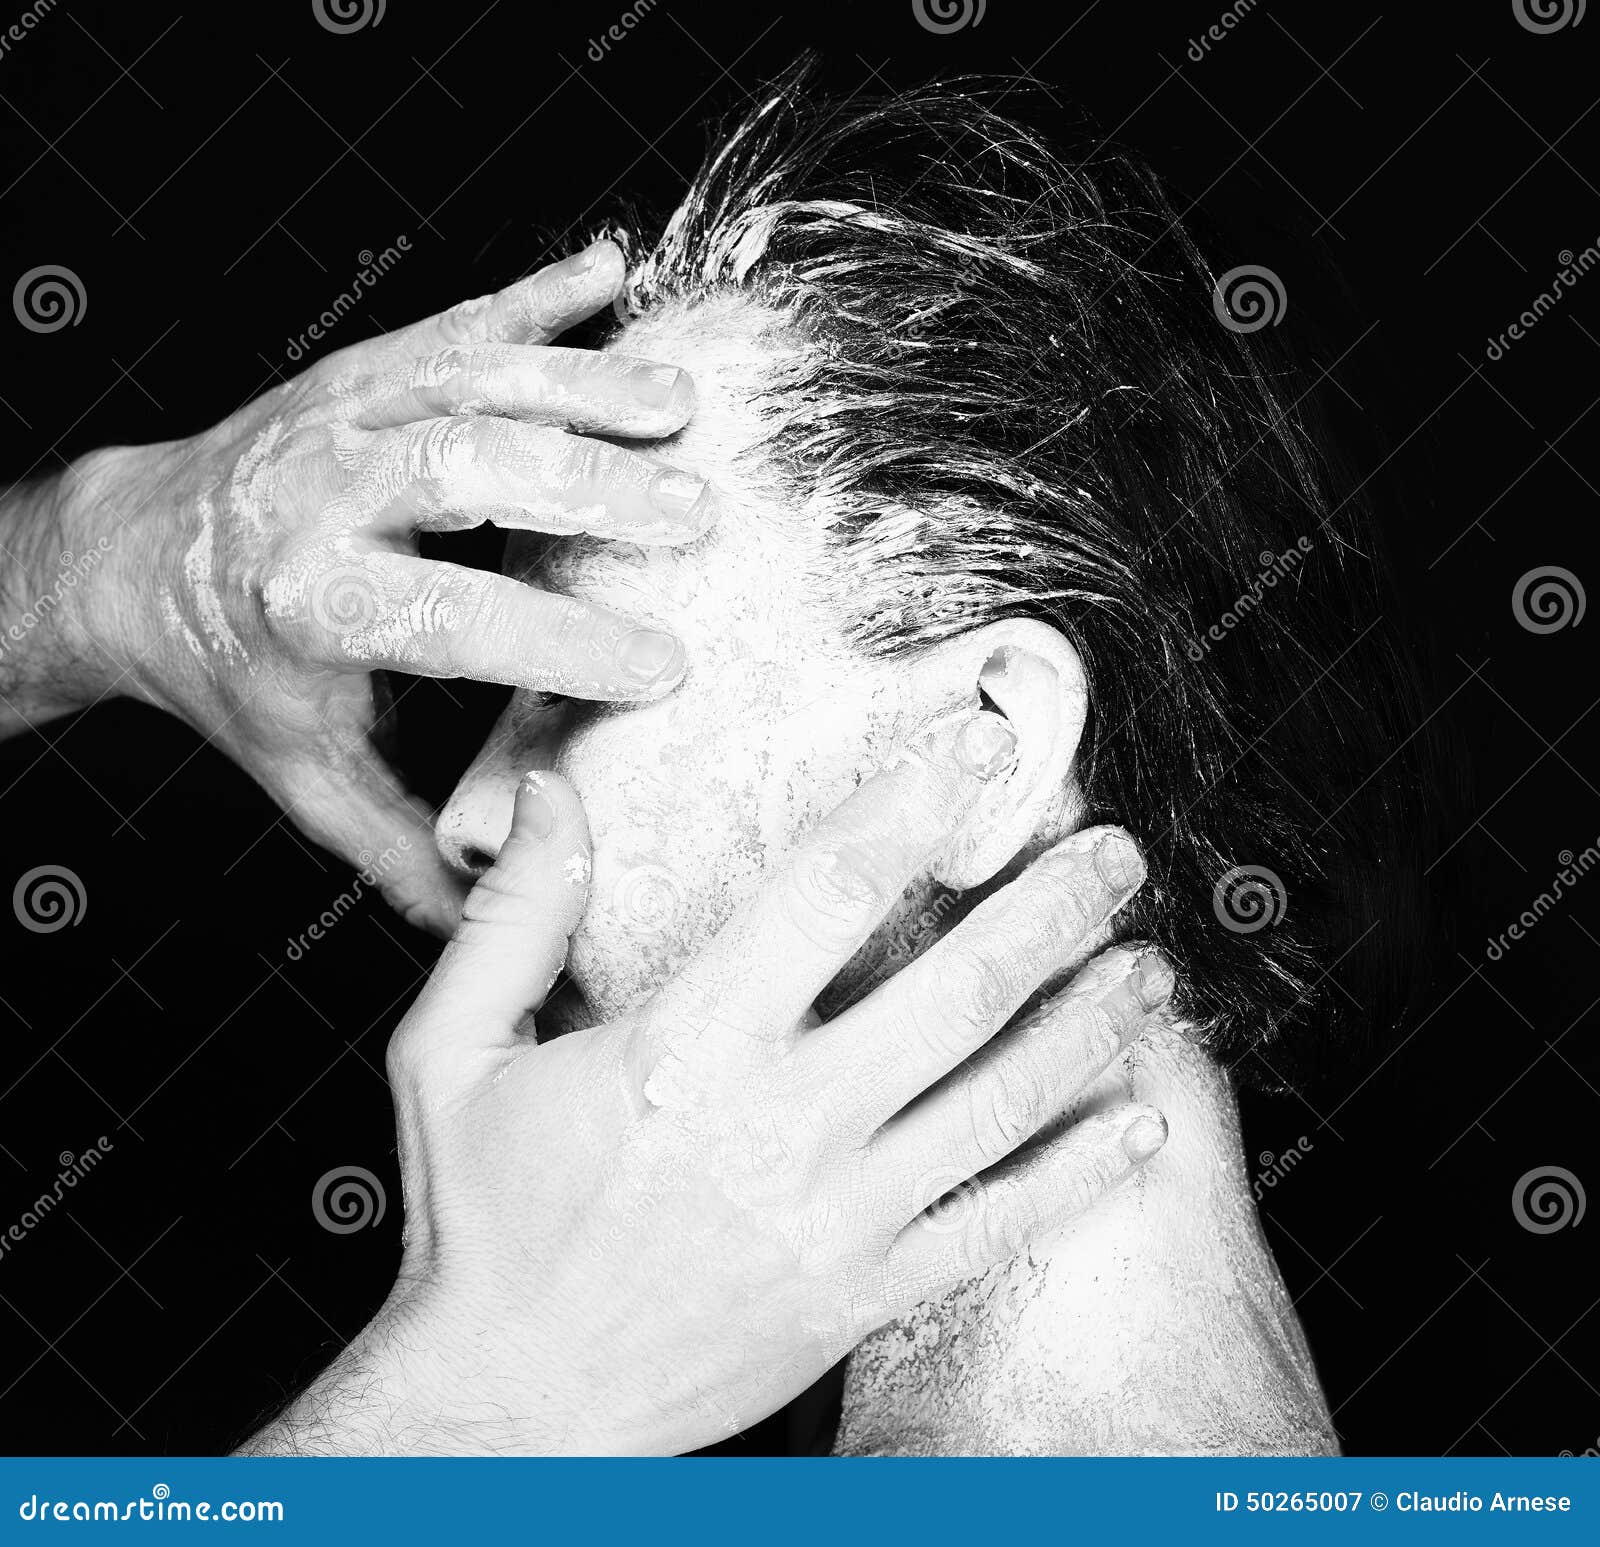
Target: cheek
(689,804)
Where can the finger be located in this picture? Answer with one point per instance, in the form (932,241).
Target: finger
(573,389)
(440,620)
(355,806)
(939,1010)
(812,915)
(512,943)
(1030,1075)
(446,475)
(975,1224)
(531,311)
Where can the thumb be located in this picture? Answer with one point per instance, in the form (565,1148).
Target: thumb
(512,943)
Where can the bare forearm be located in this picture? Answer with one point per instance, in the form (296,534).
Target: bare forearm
(51,548)
(397,1390)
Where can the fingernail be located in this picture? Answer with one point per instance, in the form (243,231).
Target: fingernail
(677,494)
(986,745)
(1119,862)
(649,656)
(583,262)
(536,817)
(1144,1136)
(667,388)
(1152,979)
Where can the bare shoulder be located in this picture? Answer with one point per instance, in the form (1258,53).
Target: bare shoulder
(1158,1324)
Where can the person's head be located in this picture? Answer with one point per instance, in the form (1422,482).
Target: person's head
(970,400)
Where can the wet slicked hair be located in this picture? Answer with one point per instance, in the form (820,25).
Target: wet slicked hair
(1017,398)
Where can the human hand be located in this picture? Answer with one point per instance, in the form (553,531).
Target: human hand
(257,574)
(646,1235)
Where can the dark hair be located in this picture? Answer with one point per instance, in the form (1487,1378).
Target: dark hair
(1030,395)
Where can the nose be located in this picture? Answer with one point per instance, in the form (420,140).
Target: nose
(477,817)
(474,823)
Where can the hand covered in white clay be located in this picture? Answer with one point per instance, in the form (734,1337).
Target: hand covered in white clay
(644,1236)
(255,575)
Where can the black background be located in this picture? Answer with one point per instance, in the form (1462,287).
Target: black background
(212,176)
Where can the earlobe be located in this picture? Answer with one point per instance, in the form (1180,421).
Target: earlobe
(1031,674)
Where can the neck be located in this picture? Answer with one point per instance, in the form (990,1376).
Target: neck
(1157,1323)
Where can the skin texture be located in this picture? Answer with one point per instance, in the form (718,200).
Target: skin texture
(647,1234)
(251,578)
(1161,1324)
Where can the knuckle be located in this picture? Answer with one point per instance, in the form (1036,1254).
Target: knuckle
(1084,1188)
(827,890)
(975,990)
(588,462)
(1003,1108)
(1095,1029)
(436,448)
(1069,905)
(449,371)
(997,1232)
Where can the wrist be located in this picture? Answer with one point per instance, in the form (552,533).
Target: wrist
(50,661)
(106,511)
(416,1382)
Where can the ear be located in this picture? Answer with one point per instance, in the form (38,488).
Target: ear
(1030,673)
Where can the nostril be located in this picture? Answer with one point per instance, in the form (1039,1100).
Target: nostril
(475,861)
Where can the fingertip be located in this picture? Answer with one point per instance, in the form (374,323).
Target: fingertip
(680,401)
(547,807)
(1144,1136)
(602,263)
(650,662)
